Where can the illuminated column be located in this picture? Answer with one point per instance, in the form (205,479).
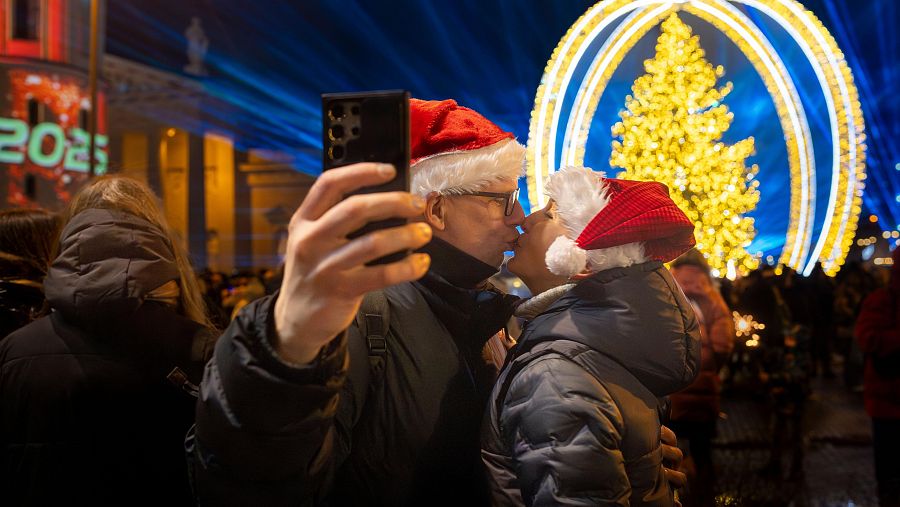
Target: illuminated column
(243,214)
(220,198)
(196,201)
(154,177)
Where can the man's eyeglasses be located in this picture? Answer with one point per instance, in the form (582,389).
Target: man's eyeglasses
(510,199)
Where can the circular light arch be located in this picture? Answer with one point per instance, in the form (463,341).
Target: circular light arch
(832,73)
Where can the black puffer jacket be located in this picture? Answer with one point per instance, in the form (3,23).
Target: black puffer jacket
(273,434)
(574,417)
(87,416)
(21,292)
(21,301)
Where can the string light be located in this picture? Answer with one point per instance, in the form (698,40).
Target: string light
(746,327)
(629,20)
(737,27)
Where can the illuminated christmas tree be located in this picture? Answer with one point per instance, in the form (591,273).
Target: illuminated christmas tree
(670,133)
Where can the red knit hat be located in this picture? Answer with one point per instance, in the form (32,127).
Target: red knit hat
(613,222)
(456,150)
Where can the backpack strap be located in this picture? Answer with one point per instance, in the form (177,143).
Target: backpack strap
(373,319)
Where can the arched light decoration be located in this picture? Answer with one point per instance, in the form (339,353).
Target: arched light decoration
(632,19)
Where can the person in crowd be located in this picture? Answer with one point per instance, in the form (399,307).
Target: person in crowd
(853,285)
(319,396)
(823,330)
(574,418)
(878,334)
(27,240)
(272,278)
(94,400)
(782,357)
(244,289)
(212,285)
(695,410)
(798,296)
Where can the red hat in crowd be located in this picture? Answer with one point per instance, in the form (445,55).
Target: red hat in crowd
(613,223)
(455,150)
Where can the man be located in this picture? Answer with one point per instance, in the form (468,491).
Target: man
(301,405)
(878,335)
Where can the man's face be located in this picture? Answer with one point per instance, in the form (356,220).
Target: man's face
(479,226)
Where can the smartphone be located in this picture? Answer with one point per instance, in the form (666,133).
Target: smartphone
(369,127)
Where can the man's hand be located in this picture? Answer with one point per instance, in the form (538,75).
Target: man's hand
(672,458)
(325,276)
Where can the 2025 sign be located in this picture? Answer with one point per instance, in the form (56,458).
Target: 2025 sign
(71,152)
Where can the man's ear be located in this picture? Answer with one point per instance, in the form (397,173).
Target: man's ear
(436,211)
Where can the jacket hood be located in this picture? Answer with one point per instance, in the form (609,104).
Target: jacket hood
(637,316)
(109,260)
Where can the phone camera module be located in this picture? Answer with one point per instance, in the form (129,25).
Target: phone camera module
(336,132)
(336,152)
(336,111)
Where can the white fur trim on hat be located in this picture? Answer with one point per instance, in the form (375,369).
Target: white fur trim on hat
(580,194)
(565,258)
(458,172)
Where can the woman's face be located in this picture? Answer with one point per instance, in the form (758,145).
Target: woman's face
(540,230)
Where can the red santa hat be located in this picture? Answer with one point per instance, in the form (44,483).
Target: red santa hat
(613,223)
(455,150)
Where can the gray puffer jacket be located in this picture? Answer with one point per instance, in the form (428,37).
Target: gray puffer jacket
(574,417)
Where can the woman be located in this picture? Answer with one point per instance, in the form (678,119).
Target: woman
(88,414)
(574,417)
(27,239)
(695,409)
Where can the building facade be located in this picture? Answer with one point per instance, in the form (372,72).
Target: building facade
(45,102)
(230,206)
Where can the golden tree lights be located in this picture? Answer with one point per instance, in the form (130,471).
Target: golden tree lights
(670,133)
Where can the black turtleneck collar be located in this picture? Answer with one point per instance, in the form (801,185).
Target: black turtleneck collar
(471,310)
(456,292)
(457,267)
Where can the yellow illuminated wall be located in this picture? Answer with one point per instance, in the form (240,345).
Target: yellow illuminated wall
(134,156)
(219,161)
(173,162)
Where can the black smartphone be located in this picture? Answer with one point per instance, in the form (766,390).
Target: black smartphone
(369,127)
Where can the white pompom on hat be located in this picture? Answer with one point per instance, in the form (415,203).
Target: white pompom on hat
(613,223)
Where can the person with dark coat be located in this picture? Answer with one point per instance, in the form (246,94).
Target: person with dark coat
(27,240)
(823,335)
(316,396)
(574,418)
(695,409)
(377,417)
(878,334)
(93,408)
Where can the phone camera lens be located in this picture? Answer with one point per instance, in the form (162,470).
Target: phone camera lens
(355,131)
(336,132)
(336,111)
(354,110)
(336,152)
